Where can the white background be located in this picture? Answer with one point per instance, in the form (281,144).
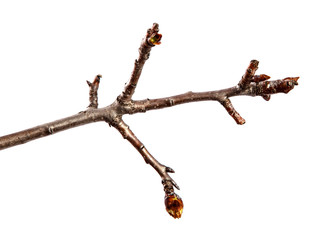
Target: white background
(256,181)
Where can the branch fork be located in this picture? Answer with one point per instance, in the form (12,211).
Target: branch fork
(250,84)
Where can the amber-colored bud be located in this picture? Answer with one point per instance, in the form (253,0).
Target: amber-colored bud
(155,39)
(174,205)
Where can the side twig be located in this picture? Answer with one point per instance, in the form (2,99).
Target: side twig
(151,39)
(93,93)
(161,169)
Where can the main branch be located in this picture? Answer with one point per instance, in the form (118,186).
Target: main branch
(250,84)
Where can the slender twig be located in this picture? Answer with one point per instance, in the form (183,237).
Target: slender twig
(114,111)
(254,89)
(249,85)
(151,39)
(162,170)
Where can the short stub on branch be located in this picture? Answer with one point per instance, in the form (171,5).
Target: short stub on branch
(93,92)
(250,72)
(232,112)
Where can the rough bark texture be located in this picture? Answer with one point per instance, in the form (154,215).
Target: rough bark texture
(249,85)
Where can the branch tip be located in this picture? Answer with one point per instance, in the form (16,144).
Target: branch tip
(93,92)
(174,205)
(294,80)
(153,29)
(153,37)
(254,63)
(277,86)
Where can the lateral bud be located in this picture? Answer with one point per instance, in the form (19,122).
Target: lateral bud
(153,37)
(260,78)
(266,97)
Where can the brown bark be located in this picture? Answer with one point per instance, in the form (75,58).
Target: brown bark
(249,85)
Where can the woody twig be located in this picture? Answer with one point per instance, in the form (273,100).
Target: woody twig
(250,84)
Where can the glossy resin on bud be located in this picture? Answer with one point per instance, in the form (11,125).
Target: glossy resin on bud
(155,39)
(174,205)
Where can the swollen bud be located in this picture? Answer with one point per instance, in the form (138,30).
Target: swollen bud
(174,205)
(155,39)
(260,78)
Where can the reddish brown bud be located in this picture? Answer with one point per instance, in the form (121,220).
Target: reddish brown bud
(260,78)
(174,205)
(155,39)
(266,97)
(289,83)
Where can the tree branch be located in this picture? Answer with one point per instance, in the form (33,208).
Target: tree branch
(249,85)
(50,128)
(253,89)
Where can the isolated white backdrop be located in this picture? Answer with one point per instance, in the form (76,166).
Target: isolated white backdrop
(257,181)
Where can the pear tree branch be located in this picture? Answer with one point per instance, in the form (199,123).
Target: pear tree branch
(250,84)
